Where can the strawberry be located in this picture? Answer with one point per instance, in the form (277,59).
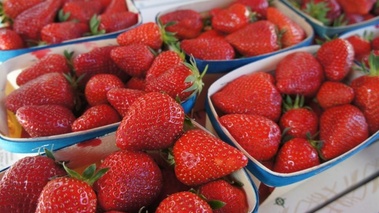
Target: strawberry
(58,32)
(96,116)
(42,13)
(336,56)
(23,182)
(257,6)
(299,73)
(112,22)
(291,32)
(361,45)
(334,93)
(184,23)
(47,64)
(134,59)
(45,120)
(153,121)
(80,11)
(10,40)
(261,39)
(375,43)
(251,94)
(357,7)
(183,202)
(366,92)
(228,192)
(122,98)
(133,180)
(258,135)
(73,193)
(231,18)
(341,128)
(50,88)
(115,6)
(12,8)
(208,48)
(97,87)
(197,151)
(164,61)
(136,83)
(295,155)
(325,11)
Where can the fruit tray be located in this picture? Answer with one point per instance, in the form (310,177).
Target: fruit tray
(11,140)
(92,151)
(223,66)
(329,31)
(258,169)
(7,54)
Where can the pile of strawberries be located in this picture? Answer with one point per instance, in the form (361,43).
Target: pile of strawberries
(306,111)
(337,13)
(63,93)
(244,28)
(56,21)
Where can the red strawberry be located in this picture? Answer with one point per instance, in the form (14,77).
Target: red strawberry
(231,194)
(47,64)
(10,40)
(231,18)
(122,98)
(23,182)
(366,90)
(299,73)
(197,151)
(12,8)
(96,116)
(325,11)
(297,120)
(361,45)
(336,56)
(341,129)
(136,83)
(134,59)
(50,88)
(58,32)
(358,7)
(112,22)
(258,135)
(164,61)
(115,6)
(375,43)
(184,23)
(254,39)
(153,121)
(45,120)
(183,202)
(133,180)
(334,93)
(81,11)
(97,87)
(251,94)
(291,32)
(42,13)
(295,155)
(258,6)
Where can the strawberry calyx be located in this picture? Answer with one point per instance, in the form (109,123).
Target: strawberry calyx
(89,175)
(318,11)
(5,21)
(373,61)
(289,103)
(196,78)
(168,38)
(62,16)
(94,24)
(214,204)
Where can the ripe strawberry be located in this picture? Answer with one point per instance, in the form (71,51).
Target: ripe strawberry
(197,151)
(334,93)
(251,94)
(295,155)
(115,6)
(96,116)
(299,73)
(227,192)
(375,43)
(183,201)
(122,98)
(184,23)
(366,90)
(10,40)
(42,13)
(12,8)
(134,59)
(97,87)
(341,129)
(261,39)
(208,48)
(361,45)
(49,63)
(257,6)
(133,180)
(58,32)
(23,182)
(231,18)
(45,120)
(50,88)
(357,7)
(112,22)
(164,61)
(153,121)
(291,32)
(136,83)
(258,135)
(325,11)
(80,11)
(336,56)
